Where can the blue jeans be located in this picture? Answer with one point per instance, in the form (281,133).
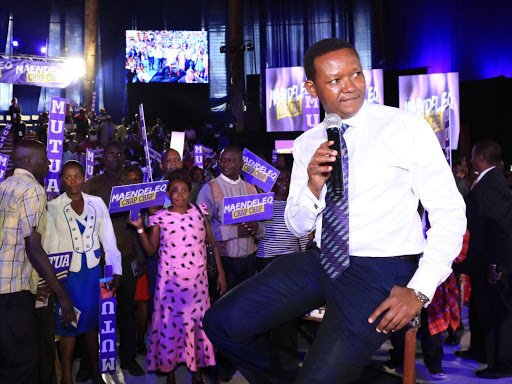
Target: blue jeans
(291,286)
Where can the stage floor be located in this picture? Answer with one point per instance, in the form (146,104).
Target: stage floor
(457,369)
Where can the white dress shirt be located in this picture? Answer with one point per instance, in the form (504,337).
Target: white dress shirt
(395,160)
(98,231)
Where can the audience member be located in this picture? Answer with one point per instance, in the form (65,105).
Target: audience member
(237,243)
(83,225)
(180,234)
(23,212)
(134,173)
(130,248)
(82,125)
(489,263)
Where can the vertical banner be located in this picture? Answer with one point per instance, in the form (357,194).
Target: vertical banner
(436,98)
(198,156)
(149,174)
(90,161)
(5,133)
(374,79)
(54,145)
(274,157)
(107,323)
(4,159)
(89,164)
(178,142)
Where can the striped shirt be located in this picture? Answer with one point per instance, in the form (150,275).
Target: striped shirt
(278,239)
(22,208)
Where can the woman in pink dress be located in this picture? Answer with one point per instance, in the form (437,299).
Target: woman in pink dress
(181,298)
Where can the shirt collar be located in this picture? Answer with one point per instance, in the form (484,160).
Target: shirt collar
(357,119)
(227,179)
(20,171)
(482,174)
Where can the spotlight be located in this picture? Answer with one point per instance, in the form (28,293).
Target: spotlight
(15,43)
(250,47)
(223,49)
(43,49)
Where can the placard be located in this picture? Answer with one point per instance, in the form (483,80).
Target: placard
(4,160)
(241,209)
(5,133)
(134,197)
(178,142)
(258,172)
(60,263)
(90,161)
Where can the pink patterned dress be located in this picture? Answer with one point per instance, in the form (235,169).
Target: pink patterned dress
(181,296)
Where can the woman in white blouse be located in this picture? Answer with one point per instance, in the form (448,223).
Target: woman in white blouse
(83,223)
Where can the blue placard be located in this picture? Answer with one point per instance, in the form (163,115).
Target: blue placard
(134,197)
(4,160)
(258,172)
(60,263)
(241,209)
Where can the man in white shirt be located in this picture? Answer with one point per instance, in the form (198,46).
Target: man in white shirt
(394,160)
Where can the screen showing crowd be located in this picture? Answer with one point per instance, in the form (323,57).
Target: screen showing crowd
(166,56)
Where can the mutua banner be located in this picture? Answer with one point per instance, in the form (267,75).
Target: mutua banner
(258,172)
(241,209)
(60,263)
(4,135)
(54,145)
(4,160)
(38,73)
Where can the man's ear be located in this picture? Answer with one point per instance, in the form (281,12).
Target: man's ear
(28,162)
(310,87)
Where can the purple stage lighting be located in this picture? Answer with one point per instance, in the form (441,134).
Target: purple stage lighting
(15,43)
(43,49)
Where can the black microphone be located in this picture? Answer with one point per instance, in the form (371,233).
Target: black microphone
(332,124)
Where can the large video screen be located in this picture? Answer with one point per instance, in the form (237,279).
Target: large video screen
(166,56)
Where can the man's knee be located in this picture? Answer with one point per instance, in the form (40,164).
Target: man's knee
(213,324)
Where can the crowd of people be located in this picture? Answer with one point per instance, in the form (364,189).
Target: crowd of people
(174,264)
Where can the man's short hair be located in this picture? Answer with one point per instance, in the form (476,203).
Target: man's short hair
(489,150)
(234,149)
(321,48)
(113,143)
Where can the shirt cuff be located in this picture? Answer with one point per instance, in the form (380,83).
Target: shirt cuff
(426,282)
(311,203)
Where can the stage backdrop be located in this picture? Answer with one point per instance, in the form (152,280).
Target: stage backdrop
(291,108)
(436,98)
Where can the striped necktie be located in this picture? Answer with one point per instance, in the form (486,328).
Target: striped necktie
(334,256)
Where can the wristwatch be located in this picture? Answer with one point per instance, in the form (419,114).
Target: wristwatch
(421,297)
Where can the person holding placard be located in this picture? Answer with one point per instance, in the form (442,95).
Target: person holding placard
(180,233)
(83,224)
(130,248)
